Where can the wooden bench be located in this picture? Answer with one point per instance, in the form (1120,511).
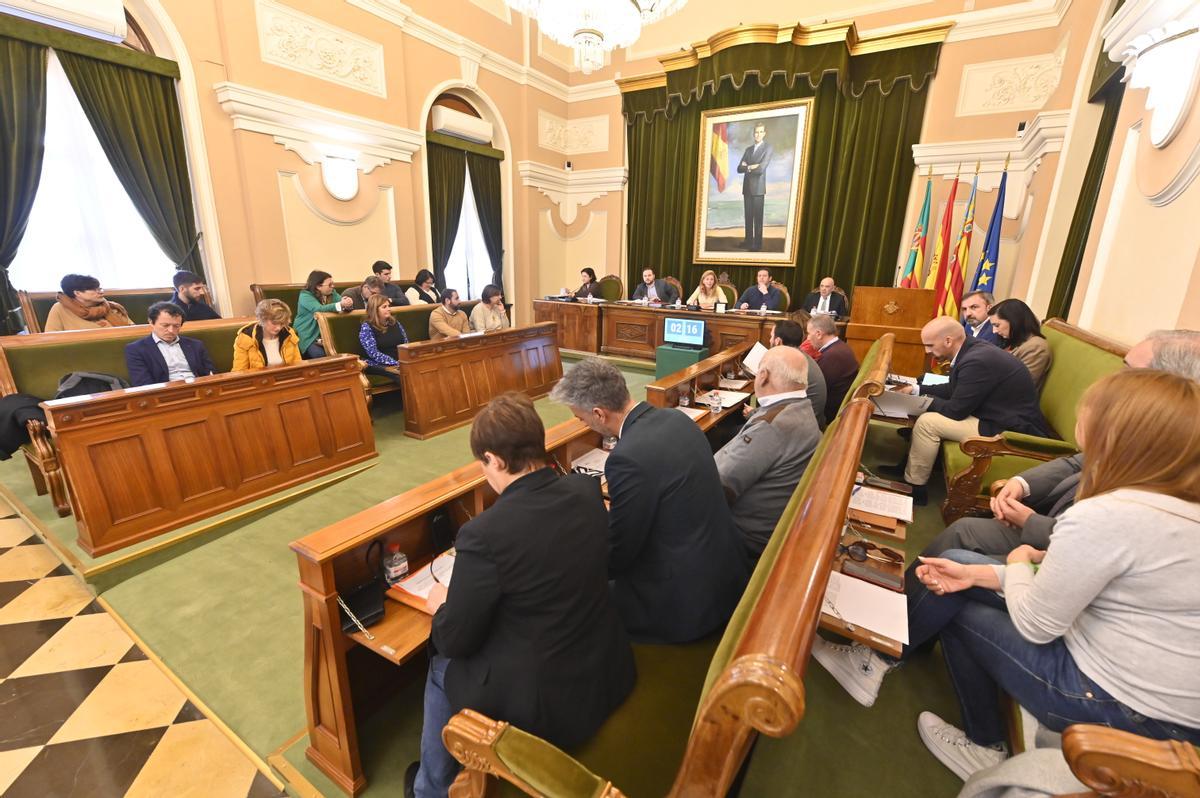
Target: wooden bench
(669,738)
(35,305)
(339,334)
(333,559)
(1080,358)
(145,461)
(698,378)
(289,293)
(33,364)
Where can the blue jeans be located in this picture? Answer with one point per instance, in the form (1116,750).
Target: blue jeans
(315,350)
(438,769)
(927,615)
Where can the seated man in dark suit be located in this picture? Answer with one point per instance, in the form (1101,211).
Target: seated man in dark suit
(165,355)
(975,307)
(191,294)
(838,363)
(789,333)
(762,294)
(361,293)
(526,632)
(825,300)
(989,392)
(676,560)
(653,290)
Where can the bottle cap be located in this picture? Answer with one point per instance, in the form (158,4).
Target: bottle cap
(393,546)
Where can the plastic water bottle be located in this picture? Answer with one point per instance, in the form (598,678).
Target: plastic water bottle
(762,309)
(395,564)
(714,402)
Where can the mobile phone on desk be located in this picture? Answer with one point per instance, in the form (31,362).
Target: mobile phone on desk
(887,484)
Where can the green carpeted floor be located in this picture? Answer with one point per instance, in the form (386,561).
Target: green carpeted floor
(224,613)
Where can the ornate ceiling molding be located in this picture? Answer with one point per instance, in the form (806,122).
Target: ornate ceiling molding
(296,41)
(1024,153)
(571,191)
(1012,84)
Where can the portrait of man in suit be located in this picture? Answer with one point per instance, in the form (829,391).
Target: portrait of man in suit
(753,168)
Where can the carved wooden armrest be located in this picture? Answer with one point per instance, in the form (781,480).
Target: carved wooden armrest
(1117,763)
(39,438)
(996,487)
(493,748)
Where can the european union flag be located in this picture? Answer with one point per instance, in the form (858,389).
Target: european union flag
(985,272)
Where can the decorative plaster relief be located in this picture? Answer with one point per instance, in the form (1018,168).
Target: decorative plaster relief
(572,136)
(571,190)
(1014,84)
(296,41)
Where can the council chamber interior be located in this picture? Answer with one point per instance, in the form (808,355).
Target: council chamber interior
(955,234)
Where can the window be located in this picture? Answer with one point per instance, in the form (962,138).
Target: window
(469,268)
(82,221)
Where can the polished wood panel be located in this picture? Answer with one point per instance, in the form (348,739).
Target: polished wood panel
(144,461)
(447,382)
(699,377)
(637,330)
(903,311)
(578,323)
(334,558)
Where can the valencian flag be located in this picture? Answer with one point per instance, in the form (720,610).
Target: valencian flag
(719,161)
(911,276)
(985,272)
(941,253)
(958,261)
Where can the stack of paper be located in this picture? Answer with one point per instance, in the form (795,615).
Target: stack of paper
(414,589)
(732,385)
(882,502)
(900,405)
(692,412)
(935,379)
(753,358)
(593,461)
(868,606)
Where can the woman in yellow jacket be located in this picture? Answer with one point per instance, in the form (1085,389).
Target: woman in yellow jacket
(270,342)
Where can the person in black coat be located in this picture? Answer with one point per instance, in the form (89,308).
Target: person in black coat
(191,294)
(528,633)
(826,300)
(166,355)
(677,563)
(664,292)
(989,392)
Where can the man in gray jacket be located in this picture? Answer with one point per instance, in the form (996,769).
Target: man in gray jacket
(762,465)
(1029,505)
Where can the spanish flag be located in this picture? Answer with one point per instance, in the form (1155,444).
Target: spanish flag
(958,261)
(911,276)
(719,161)
(941,253)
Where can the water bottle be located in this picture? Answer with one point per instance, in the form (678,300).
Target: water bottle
(395,564)
(609,443)
(762,309)
(714,402)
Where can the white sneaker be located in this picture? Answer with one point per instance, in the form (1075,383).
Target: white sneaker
(954,749)
(858,669)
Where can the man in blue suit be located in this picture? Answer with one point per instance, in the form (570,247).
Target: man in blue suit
(165,355)
(754,185)
(975,307)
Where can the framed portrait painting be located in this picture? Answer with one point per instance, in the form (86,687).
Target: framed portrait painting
(752,164)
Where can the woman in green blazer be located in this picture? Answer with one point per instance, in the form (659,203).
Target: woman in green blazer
(318,296)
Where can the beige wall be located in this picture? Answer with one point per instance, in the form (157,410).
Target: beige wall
(272,219)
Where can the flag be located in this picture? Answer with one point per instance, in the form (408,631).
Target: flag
(985,272)
(911,276)
(958,259)
(719,160)
(941,252)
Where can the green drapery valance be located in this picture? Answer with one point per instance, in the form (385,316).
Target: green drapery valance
(454,142)
(867,114)
(64,41)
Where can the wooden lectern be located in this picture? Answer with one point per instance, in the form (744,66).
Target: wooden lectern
(902,311)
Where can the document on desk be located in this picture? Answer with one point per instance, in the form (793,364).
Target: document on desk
(732,385)
(882,502)
(592,461)
(868,606)
(753,358)
(930,378)
(692,412)
(418,584)
(900,405)
(732,398)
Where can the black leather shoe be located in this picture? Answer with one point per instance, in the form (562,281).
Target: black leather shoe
(905,433)
(892,471)
(410,780)
(920,495)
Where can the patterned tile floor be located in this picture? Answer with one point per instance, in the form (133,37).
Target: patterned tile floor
(83,711)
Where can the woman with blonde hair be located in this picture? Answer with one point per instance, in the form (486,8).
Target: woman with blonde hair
(1102,627)
(707,294)
(270,341)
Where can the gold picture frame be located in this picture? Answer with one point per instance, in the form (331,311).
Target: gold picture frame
(750,191)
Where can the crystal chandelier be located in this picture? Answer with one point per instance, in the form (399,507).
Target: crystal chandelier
(594,27)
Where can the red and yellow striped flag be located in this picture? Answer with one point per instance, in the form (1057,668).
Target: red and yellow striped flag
(719,160)
(958,261)
(941,254)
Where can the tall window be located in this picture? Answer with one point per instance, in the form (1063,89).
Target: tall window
(82,220)
(469,268)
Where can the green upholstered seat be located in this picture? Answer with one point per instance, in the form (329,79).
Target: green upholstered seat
(136,303)
(730,292)
(611,288)
(289,293)
(219,343)
(344,327)
(868,363)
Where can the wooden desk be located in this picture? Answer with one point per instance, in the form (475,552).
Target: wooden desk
(637,330)
(700,377)
(143,461)
(446,382)
(333,558)
(578,323)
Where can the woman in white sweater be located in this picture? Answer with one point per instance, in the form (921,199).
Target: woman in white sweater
(1102,627)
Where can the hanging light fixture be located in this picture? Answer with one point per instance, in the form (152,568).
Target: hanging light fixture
(592,28)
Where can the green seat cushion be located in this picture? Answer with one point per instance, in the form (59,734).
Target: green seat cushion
(1077,364)
(610,290)
(37,370)
(218,342)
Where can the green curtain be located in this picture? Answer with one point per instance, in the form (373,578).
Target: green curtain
(485,185)
(22,138)
(447,179)
(136,118)
(1089,194)
(866,116)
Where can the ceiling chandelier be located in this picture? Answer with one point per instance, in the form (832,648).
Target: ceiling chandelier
(594,27)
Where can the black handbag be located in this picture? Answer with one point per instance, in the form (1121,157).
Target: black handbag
(363,606)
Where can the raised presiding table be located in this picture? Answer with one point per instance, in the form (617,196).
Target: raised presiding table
(447,382)
(144,461)
(333,560)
